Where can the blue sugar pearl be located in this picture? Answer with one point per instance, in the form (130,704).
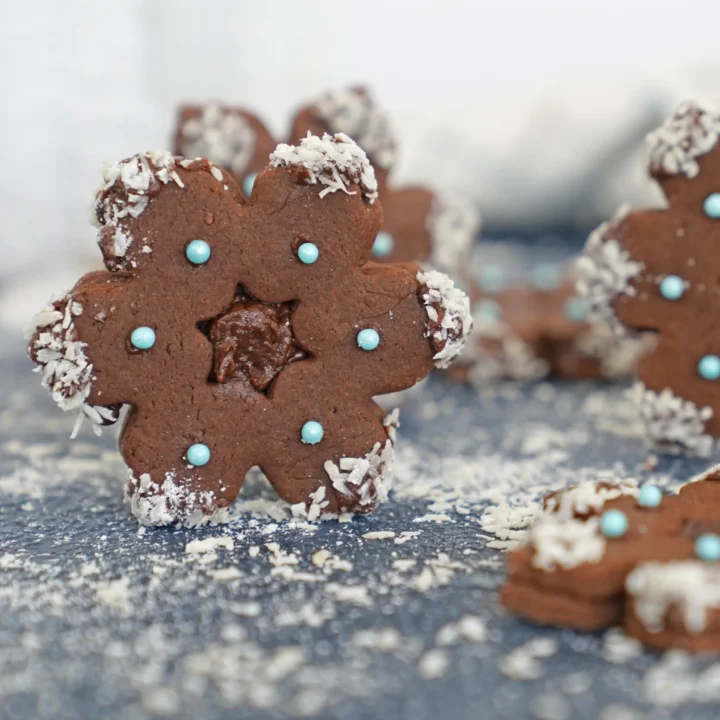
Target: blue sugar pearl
(711,206)
(312,432)
(368,339)
(143,338)
(197,252)
(576,308)
(707,547)
(672,287)
(384,244)
(198,454)
(487,310)
(545,276)
(613,523)
(492,279)
(709,367)
(248,184)
(308,253)
(650,496)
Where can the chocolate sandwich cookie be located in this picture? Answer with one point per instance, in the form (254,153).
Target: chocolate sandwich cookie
(247,333)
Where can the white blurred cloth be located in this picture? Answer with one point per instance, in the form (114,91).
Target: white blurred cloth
(534,110)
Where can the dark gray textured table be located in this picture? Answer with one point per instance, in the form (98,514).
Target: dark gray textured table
(99,619)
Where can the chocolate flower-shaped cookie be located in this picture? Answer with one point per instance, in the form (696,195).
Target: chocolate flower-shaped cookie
(247,333)
(540,328)
(657,270)
(609,552)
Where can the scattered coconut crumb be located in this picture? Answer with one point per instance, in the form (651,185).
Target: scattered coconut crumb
(433,664)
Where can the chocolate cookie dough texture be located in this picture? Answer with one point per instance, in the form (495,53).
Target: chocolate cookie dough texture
(657,271)
(229,137)
(247,333)
(419,225)
(538,329)
(609,552)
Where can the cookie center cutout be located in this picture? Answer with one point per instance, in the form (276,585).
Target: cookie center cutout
(252,340)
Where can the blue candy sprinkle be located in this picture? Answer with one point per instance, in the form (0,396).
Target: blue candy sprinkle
(492,279)
(650,496)
(308,253)
(384,244)
(576,308)
(709,367)
(711,206)
(545,276)
(672,287)
(312,432)
(707,547)
(487,310)
(368,339)
(198,454)
(197,252)
(613,523)
(248,184)
(143,338)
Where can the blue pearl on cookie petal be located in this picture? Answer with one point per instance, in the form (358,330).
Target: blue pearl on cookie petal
(576,308)
(487,310)
(308,253)
(709,367)
(650,496)
(492,279)
(711,206)
(197,252)
(312,432)
(198,454)
(248,184)
(384,244)
(142,338)
(613,523)
(545,276)
(672,287)
(368,339)
(707,547)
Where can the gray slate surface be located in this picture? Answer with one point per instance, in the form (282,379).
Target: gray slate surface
(99,620)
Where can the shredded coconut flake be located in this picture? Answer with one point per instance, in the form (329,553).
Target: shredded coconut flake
(223,136)
(125,193)
(452,225)
(169,503)
(672,423)
(498,353)
(369,478)
(691,585)
(605,271)
(66,370)
(589,497)
(334,161)
(448,311)
(618,354)
(352,111)
(565,543)
(692,131)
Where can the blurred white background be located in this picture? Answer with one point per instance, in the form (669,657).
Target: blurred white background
(532,108)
